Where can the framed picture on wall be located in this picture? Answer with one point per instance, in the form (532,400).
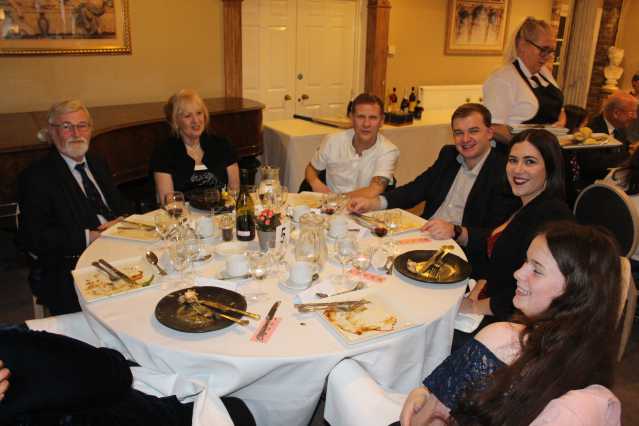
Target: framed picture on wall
(64,27)
(476,27)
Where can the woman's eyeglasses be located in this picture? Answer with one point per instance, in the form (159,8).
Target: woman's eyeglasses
(543,51)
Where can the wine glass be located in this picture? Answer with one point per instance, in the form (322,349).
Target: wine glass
(330,203)
(345,249)
(307,247)
(175,205)
(393,219)
(164,223)
(180,257)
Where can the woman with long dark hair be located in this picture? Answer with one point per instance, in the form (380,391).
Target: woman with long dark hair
(562,339)
(535,174)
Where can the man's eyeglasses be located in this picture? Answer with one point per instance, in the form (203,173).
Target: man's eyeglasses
(543,51)
(68,127)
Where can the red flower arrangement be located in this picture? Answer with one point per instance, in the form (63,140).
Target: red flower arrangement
(268,220)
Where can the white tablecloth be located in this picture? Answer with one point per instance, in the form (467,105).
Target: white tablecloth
(281,380)
(290,144)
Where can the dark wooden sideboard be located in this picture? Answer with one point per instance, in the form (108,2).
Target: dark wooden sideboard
(125,135)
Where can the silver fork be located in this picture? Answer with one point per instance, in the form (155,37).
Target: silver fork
(432,271)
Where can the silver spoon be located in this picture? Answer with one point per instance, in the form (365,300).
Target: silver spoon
(153,260)
(360,285)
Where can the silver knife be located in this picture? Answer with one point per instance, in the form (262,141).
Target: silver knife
(117,272)
(269,318)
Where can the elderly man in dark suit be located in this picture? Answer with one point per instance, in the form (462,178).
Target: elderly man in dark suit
(66,200)
(619,111)
(465,187)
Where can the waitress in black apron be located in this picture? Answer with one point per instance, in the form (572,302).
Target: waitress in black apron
(549,97)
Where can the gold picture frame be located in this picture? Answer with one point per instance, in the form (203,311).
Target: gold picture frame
(69,27)
(476,27)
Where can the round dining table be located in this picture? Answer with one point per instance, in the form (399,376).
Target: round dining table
(282,379)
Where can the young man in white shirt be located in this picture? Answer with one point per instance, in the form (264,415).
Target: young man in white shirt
(358,161)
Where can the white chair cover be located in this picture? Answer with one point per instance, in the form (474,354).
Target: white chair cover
(353,398)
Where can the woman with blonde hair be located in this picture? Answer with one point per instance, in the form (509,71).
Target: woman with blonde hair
(524,90)
(192,157)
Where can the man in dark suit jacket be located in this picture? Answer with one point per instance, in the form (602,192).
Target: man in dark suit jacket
(466,187)
(619,111)
(66,200)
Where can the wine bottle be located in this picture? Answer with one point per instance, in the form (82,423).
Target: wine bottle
(412,100)
(245,216)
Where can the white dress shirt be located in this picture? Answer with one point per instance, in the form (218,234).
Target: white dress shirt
(346,170)
(71,163)
(508,97)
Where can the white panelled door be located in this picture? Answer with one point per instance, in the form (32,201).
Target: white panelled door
(298,55)
(325,52)
(268,55)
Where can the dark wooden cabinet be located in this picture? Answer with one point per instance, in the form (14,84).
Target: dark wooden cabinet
(125,136)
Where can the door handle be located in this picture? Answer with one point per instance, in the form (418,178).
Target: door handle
(287,97)
(305,97)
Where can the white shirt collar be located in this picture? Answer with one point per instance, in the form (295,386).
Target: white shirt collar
(71,163)
(611,128)
(475,170)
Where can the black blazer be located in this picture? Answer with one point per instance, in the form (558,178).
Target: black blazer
(490,201)
(509,251)
(54,213)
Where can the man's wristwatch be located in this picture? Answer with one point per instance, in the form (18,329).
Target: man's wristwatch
(457,231)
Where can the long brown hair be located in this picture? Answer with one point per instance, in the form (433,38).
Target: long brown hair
(569,346)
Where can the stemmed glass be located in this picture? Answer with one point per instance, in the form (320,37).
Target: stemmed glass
(164,224)
(393,219)
(345,249)
(180,255)
(175,205)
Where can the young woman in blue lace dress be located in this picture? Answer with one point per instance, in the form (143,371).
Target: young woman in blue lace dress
(563,338)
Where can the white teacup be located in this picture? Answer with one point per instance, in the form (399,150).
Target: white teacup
(237,265)
(205,226)
(299,211)
(338,226)
(301,274)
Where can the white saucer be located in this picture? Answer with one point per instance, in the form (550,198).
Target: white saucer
(287,283)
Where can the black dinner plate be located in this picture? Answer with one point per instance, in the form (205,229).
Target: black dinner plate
(166,310)
(455,268)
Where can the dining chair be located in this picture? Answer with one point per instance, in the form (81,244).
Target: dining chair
(628,306)
(609,206)
(351,392)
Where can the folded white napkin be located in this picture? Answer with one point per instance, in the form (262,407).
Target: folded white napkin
(468,322)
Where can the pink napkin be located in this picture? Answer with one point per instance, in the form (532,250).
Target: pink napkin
(367,275)
(269,331)
(414,240)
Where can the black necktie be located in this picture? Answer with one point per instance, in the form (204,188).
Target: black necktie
(618,134)
(93,195)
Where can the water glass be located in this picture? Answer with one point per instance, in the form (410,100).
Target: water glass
(362,258)
(393,219)
(345,249)
(164,223)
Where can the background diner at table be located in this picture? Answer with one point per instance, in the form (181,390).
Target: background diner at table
(536,176)
(67,199)
(358,161)
(193,157)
